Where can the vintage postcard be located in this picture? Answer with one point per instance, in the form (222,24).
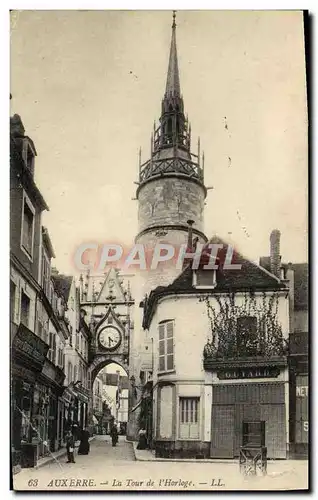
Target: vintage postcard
(158,250)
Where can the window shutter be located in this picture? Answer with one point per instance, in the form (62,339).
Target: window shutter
(166,346)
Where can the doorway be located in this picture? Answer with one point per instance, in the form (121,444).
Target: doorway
(253,433)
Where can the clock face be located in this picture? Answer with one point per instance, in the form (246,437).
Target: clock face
(110,338)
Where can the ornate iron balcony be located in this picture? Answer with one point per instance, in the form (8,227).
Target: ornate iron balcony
(168,166)
(232,351)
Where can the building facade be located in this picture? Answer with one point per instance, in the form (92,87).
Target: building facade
(76,393)
(298,360)
(220,371)
(37,337)
(108,306)
(296,277)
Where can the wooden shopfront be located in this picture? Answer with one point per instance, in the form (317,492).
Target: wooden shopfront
(298,395)
(249,409)
(47,408)
(27,360)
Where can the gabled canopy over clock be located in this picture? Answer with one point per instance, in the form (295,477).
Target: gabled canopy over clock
(110,338)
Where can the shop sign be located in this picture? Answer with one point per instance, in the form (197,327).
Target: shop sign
(302,414)
(30,345)
(24,373)
(81,393)
(49,371)
(249,372)
(68,396)
(82,397)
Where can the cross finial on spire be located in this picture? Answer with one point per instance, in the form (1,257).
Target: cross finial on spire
(173,82)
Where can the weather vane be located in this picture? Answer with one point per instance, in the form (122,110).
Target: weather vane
(174,18)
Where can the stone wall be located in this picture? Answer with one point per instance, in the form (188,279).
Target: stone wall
(170,200)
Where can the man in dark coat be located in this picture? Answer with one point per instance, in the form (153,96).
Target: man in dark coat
(114,434)
(70,444)
(84,444)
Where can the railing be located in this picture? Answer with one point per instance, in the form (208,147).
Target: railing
(168,166)
(233,347)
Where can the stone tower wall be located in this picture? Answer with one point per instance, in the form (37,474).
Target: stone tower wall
(170,200)
(166,272)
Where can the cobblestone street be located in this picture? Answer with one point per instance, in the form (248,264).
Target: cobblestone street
(108,468)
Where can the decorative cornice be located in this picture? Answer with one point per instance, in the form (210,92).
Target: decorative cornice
(212,364)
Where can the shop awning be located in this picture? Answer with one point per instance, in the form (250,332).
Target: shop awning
(78,392)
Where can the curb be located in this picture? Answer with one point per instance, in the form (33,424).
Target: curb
(182,460)
(139,458)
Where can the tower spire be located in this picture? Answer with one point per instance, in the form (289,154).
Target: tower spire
(173,80)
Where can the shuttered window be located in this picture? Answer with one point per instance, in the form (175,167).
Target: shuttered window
(52,350)
(27,228)
(189,418)
(166,346)
(69,372)
(25,309)
(12,300)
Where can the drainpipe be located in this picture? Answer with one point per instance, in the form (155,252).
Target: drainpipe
(190,234)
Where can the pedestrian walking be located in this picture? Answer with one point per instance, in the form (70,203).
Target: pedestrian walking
(142,440)
(114,434)
(70,444)
(84,444)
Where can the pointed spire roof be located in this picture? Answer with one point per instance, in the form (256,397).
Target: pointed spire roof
(173,80)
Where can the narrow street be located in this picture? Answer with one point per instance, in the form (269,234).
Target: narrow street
(108,468)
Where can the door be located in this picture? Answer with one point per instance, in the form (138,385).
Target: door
(254,434)
(222,431)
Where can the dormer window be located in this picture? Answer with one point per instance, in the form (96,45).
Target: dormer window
(27,230)
(204,279)
(28,154)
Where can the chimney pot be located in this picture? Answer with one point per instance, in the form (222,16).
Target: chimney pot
(275,258)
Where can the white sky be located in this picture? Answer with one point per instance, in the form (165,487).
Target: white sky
(88,86)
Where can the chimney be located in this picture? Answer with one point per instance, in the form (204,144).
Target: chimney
(290,276)
(275,257)
(190,234)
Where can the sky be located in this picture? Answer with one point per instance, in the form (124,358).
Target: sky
(88,86)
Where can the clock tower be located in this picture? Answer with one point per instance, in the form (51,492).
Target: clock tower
(171,187)
(108,306)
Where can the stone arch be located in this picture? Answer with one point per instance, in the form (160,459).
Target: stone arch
(102,360)
(97,364)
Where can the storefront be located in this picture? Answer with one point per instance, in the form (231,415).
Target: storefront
(76,398)
(27,360)
(48,409)
(68,399)
(249,409)
(299,393)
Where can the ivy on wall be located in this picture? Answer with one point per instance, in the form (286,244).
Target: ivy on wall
(227,337)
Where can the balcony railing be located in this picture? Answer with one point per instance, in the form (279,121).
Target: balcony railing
(158,167)
(234,351)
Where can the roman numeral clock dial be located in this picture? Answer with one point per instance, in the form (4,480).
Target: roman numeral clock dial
(110,338)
